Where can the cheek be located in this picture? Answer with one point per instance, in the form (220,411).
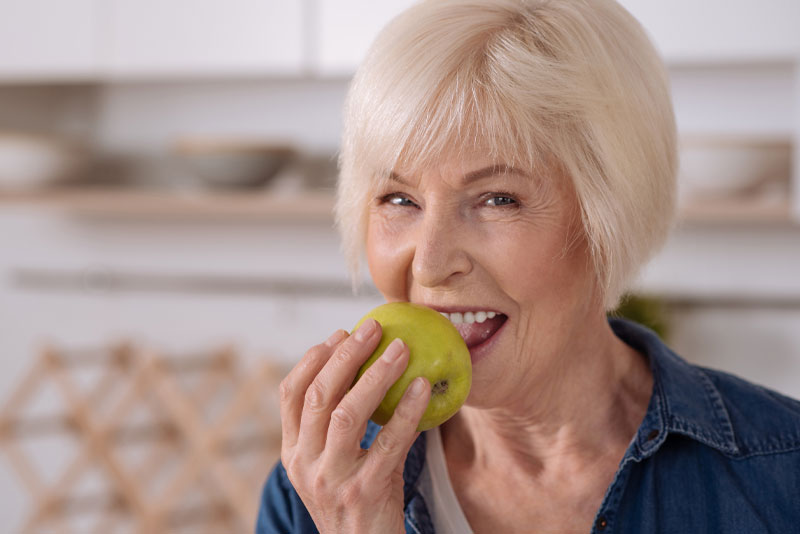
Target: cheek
(538,269)
(389,260)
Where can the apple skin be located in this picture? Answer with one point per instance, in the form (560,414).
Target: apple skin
(436,351)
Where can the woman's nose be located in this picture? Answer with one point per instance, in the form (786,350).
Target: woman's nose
(440,254)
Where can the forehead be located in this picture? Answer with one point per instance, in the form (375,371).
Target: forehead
(466,168)
(464,173)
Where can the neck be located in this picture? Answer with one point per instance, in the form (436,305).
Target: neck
(583,413)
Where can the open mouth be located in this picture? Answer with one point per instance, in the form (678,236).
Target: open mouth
(476,327)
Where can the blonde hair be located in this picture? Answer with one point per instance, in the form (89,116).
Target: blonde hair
(527,82)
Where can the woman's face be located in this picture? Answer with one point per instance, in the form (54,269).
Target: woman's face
(499,250)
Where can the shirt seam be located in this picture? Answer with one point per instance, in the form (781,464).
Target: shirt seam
(719,434)
(721,415)
(610,505)
(786,449)
(663,413)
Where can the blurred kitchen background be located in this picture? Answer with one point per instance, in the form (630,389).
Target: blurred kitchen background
(167,170)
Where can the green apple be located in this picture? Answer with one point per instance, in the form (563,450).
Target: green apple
(437,352)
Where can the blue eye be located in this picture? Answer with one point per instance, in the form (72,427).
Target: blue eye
(396,199)
(500,200)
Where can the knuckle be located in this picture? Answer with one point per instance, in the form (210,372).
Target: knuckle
(290,466)
(351,494)
(291,473)
(344,356)
(285,459)
(320,485)
(406,411)
(342,419)
(387,443)
(313,357)
(285,390)
(374,376)
(317,351)
(315,398)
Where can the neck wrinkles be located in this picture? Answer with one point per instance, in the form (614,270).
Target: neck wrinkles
(588,409)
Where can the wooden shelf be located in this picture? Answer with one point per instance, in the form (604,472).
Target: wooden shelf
(129,203)
(314,206)
(737,211)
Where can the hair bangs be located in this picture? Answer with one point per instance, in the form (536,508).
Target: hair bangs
(460,119)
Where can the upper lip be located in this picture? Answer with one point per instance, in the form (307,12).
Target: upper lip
(461,309)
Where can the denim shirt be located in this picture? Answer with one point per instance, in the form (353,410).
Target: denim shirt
(714,454)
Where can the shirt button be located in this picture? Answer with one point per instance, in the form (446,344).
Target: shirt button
(601,523)
(652,435)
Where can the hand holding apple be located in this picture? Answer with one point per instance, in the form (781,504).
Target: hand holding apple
(343,487)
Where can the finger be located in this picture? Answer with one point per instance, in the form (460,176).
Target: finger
(293,387)
(349,418)
(330,385)
(392,443)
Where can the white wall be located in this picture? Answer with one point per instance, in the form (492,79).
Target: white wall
(151,116)
(760,342)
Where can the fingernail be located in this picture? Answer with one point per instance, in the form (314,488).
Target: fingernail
(417,387)
(393,351)
(365,330)
(335,338)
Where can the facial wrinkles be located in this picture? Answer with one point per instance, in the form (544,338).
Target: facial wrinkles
(545,348)
(385,246)
(542,318)
(534,347)
(453,232)
(429,239)
(455,227)
(442,257)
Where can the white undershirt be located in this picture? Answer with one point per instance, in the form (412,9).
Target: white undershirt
(436,489)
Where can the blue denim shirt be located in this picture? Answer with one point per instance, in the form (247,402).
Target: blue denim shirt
(714,454)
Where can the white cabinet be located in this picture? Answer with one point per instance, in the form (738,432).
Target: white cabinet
(683,30)
(721,30)
(47,39)
(108,39)
(345,30)
(167,38)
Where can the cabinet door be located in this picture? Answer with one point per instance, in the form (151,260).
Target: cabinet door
(684,30)
(721,30)
(346,28)
(46,39)
(166,38)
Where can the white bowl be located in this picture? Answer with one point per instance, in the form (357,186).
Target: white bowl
(729,166)
(233,163)
(34,161)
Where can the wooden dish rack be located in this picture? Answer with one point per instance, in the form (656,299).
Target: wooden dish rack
(203,431)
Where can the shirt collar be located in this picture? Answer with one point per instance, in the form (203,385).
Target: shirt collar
(684,400)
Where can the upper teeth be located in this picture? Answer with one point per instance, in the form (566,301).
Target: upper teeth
(469,317)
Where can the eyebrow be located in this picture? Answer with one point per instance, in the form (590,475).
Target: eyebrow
(493,170)
(474,176)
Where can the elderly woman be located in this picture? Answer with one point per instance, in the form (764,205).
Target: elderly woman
(518,158)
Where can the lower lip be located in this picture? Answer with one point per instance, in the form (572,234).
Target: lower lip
(480,351)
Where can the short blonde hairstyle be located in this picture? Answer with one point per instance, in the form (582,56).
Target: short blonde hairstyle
(527,82)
